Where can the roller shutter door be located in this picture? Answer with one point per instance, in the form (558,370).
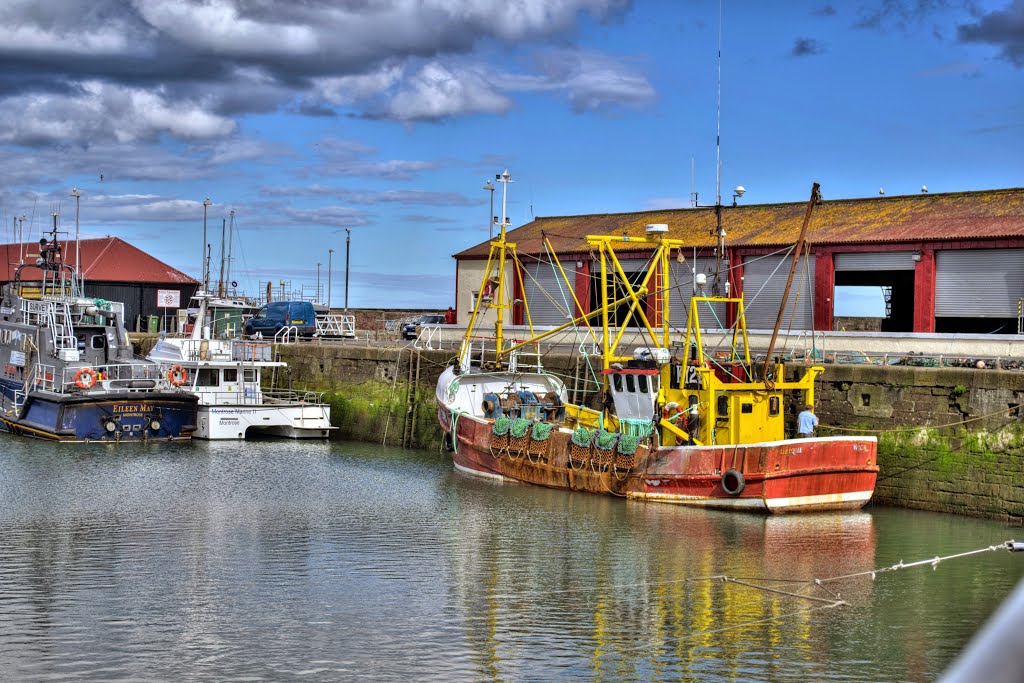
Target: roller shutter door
(764,280)
(547,294)
(681,289)
(875,260)
(978,283)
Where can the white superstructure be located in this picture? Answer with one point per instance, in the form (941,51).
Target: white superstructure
(226,375)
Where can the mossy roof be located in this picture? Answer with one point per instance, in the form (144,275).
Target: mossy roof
(988,214)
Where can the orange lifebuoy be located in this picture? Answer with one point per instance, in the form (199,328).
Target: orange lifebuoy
(177,375)
(85,378)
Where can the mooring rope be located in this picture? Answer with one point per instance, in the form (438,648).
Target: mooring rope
(1001,411)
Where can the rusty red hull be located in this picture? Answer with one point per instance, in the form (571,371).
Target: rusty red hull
(795,475)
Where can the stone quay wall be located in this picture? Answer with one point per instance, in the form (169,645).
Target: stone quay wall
(950,439)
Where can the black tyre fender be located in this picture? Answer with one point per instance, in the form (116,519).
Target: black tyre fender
(733,482)
(446,441)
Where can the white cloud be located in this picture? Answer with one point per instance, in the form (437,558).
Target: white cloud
(590,80)
(219,26)
(103,112)
(437,92)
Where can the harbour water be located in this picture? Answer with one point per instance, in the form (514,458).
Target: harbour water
(338,561)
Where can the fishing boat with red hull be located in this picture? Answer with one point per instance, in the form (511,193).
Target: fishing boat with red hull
(675,425)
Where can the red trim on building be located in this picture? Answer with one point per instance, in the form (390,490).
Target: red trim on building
(456,292)
(924,292)
(654,297)
(824,289)
(735,285)
(517,293)
(582,287)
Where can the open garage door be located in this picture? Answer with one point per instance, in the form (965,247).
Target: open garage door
(875,286)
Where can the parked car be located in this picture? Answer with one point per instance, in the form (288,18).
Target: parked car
(411,330)
(275,316)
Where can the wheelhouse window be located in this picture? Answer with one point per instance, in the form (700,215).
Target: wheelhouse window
(208,377)
(230,375)
(249,375)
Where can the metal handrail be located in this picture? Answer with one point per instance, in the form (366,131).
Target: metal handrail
(285,335)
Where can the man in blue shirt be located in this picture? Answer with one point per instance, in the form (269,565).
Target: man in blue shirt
(806,422)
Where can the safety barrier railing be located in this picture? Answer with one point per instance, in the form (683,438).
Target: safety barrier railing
(921,360)
(336,325)
(426,335)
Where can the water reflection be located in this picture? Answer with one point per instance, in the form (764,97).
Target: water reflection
(275,561)
(624,591)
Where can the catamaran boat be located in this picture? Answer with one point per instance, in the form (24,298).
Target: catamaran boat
(226,375)
(676,423)
(67,369)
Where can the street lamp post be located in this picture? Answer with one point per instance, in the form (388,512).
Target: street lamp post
(330,260)
(205,262)
(78,253)
(348,242)
(490,214)
(318,282)
(21,238)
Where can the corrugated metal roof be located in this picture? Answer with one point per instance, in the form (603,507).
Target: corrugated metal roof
(988,214)
(106,259)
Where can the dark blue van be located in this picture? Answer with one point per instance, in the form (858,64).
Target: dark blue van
(277,315)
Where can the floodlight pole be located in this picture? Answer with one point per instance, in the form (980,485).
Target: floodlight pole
(490,214)
(330,268)
(348,243)
(78,253)
(205,263)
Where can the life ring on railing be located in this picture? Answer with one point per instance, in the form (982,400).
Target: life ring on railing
(733,482)
(177,375)
(85,378)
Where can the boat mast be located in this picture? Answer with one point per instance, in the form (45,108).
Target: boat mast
(231,240)
(500,305)
(815,199)
(220,282)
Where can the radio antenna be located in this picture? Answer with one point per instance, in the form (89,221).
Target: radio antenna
(718,133)
(718,233)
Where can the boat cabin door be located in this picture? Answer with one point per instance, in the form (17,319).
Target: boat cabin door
(634,392)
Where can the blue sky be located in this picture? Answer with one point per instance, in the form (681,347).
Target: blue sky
(387,116)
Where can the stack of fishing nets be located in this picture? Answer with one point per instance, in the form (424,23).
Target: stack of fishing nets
(499,432)
(579,447)
(625,452)
(539,435)
(518,434)
(603,446)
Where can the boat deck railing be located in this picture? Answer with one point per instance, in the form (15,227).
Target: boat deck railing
(115,377)
(254,397)
(477,351)
(196,350)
